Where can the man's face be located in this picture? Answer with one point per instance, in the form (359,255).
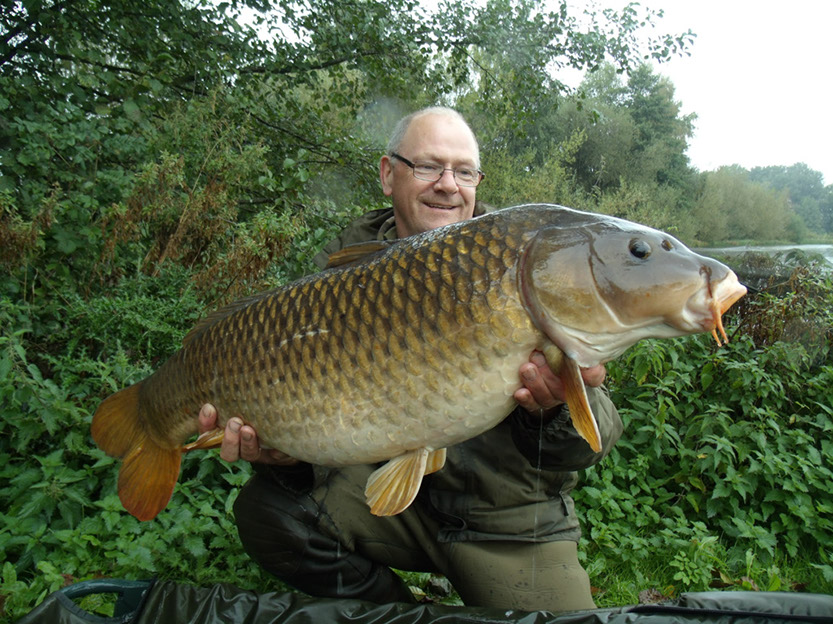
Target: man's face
(419,205)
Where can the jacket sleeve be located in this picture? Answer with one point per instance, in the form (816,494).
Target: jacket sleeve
(552,443)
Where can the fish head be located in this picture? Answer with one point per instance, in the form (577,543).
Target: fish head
(597,288)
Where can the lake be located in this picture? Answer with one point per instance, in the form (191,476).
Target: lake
(825,251)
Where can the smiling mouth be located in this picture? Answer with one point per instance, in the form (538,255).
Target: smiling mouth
(439,206)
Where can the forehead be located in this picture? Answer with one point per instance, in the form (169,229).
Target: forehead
(439,137)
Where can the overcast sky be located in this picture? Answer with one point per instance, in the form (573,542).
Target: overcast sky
(758,78)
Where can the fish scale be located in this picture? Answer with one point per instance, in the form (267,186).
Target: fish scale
(307,342)
(408,350)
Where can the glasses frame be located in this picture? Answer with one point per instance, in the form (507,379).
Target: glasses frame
(413,167)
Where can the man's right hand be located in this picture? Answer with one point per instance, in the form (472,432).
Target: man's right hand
(240,441)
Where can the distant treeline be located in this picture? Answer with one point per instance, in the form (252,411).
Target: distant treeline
(183,134)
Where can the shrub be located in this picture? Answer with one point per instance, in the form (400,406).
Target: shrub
(726,450)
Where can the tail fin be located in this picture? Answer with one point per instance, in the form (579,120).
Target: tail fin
(149,472)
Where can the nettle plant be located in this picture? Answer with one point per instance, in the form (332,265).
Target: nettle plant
(727,452)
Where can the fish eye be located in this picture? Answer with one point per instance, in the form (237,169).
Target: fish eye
(666,245)
(640,249)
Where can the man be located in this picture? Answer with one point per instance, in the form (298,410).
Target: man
(498,520)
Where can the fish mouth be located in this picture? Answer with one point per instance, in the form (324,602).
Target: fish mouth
(706,308)
(724,298)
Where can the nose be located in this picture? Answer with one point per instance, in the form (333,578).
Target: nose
(447,182)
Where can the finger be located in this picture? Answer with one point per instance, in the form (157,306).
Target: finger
(207,420)
(537,358)
(546,388)
(523,397)
(543,389)
(249,444)
(230,448)
(594,376)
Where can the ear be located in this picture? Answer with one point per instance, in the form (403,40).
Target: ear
(386,175)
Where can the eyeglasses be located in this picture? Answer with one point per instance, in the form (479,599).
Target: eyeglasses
(431,172)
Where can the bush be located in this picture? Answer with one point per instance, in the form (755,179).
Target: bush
(62,521)
(726,451)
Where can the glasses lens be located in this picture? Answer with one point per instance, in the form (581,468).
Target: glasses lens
(427,171)
(465,176)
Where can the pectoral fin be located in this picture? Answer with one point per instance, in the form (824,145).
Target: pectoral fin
(394,486)
(580,412)
(435,461)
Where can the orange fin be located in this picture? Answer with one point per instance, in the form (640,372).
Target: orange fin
(149,472)
(394,486)
(208,440)
(147,478)
(576,394)
(435,461)
(116,422)
(352,254)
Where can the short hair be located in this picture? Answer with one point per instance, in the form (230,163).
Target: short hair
(403,124)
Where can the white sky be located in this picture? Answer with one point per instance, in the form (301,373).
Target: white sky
(759,79)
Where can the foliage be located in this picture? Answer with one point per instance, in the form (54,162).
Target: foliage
(651,204)
(519,178)
(723,470)
(638,130)
(619,149)
(160,158)
(61,520)
(757,212)
(806,189)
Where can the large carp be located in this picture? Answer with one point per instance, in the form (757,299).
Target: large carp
(415,346)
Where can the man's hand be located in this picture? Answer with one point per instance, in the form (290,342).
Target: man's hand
(543,389)
(240,441)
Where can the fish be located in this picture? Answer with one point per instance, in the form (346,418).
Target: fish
(401,349)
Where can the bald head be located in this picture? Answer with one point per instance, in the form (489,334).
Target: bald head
(439,137)
(401,128)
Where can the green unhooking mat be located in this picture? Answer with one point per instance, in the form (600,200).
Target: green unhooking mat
(145,602)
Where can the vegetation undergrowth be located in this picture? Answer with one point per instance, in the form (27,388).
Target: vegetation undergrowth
(721,478)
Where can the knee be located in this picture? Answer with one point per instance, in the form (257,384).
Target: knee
(275,525)
(280,529)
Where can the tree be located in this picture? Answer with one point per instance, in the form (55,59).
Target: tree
(90,88)
(513,80)
(806,191)
(733,207)
(663,132)
(634,132)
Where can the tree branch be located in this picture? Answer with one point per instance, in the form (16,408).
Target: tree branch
(22,27)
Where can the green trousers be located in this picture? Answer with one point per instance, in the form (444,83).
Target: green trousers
(326,543)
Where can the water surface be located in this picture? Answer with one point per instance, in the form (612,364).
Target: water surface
(826,251)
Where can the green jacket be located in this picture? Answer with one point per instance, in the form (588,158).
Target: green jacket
(490,489)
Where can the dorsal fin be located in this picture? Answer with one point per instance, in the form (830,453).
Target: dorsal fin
(206,322)
(355,253)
